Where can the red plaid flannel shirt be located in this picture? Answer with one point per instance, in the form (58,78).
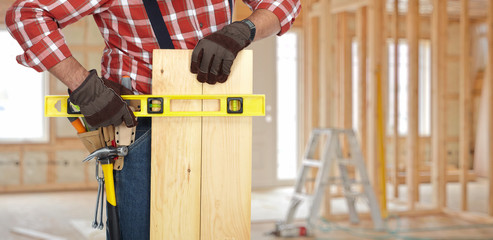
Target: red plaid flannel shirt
(126,30)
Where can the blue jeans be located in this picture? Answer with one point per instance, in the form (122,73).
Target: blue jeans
(133,186)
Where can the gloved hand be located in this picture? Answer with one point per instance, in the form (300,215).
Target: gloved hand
(100,102)
(213,56)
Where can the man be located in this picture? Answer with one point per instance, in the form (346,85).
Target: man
(130,39)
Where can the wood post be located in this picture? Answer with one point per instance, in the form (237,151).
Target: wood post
(413,80)
(465,102)
(328,79)
(361,33)
(346,80)
(395,166)
(376,51)
(439,74)
(489,78)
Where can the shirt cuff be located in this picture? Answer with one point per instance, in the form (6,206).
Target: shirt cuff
(285,14)
(46,53)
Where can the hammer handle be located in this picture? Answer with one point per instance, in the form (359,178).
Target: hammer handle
(112,210)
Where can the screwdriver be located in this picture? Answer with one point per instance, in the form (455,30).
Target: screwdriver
(75,121)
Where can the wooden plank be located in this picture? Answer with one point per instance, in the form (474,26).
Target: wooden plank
(201,167)
(346,86)
(33,234)
(413,82)
(315,77)
(468,216)
(489,78)
(405,213)
(176,152)
(327,69)
(395,140)
(328,72)
(361,36)
(313,93)
(424,176)
(47,187)
(438,86)
(339,6)
(227,161)
(376,51)
(464,102)
(326,66)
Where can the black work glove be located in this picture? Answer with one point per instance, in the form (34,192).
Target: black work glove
(213,56)
(100,102)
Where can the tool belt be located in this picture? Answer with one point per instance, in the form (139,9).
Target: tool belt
(109,136)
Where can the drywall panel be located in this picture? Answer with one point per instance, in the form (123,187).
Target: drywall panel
(9,168)
(452,117)
(35,167)
(453,40)
(64,129)
(69,166)
(453,76)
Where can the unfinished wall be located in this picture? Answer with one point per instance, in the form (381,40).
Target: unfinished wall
(440,156)
(56,164)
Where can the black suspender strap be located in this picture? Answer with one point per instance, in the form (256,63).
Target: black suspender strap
(231,7)
(158,25)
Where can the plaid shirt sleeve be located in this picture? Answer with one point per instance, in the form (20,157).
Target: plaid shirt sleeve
(36,25)
(285,10)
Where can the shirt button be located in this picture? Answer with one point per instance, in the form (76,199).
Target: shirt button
(201,25)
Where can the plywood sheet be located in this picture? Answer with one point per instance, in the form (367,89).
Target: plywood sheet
(226,162)
(176,152)
(201,166)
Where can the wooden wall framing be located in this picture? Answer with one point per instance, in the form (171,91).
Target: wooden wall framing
(55,165)
(366,24)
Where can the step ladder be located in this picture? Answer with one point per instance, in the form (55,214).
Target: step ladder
(333,154)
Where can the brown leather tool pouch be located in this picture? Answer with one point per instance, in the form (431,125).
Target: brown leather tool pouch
(105,136)
(92,140)
(124,136)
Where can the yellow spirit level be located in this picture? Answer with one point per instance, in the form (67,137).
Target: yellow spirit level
(162,106)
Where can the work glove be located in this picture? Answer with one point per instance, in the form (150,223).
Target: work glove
(213,56)
(100,102)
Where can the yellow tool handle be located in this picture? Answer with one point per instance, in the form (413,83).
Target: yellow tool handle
(110,183)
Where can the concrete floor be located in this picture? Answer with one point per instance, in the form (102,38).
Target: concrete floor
(68,215)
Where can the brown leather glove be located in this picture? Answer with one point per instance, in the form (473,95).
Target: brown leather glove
(213,56)
(100,102)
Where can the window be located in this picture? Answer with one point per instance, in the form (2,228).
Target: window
(287,98)
(21,97)
(355,85)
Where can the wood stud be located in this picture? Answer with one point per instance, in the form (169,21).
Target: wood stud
(412,162)
(374,20)
(376,50)
(361,36)
(438,86)
(489,78)
(465,103)
(395,165)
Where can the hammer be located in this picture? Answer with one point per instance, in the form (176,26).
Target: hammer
(105,157)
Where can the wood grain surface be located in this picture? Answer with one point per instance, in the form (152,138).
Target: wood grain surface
(201,166)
